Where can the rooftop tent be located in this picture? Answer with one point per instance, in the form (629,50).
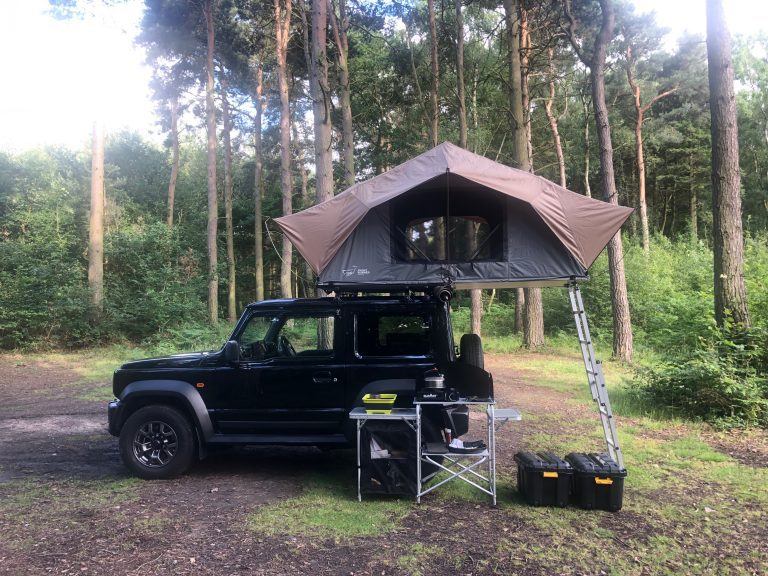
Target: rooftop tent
(451,216)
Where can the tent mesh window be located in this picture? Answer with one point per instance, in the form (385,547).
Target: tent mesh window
(440,221)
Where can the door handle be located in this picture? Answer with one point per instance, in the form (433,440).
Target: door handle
(323,378)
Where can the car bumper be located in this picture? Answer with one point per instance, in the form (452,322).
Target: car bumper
(114,410)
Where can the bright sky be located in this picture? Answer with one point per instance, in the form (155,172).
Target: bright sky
(60,76)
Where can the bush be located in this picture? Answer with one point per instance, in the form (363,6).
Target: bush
(725,382)
(151,283)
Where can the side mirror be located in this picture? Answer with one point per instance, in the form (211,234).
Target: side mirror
(232,351)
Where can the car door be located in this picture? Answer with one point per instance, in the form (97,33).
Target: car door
(292,376)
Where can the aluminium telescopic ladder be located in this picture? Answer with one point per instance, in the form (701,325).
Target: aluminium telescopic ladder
(595,376)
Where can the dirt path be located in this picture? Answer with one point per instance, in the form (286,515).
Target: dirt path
(68,506)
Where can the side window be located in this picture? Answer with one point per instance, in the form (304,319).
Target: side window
(287,336)
(380,334)
(305,336)
(255,338)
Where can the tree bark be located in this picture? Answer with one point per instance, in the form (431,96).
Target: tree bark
(475,295)
(321,102)
(282,29)
(257,186)
(96,221)
(587,188)
(340,28)
(518,43)
(175,157)
(434,126)
(213,203)
(231,272)
(517,121)
(525,51)
(640,111)
(461,93)
(730,291)
(694,200)
(552,118)
(622,326)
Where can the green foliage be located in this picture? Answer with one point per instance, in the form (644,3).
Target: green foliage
(152,283)
(725,381)
(43,281)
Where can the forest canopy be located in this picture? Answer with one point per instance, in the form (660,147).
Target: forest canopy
(380,82)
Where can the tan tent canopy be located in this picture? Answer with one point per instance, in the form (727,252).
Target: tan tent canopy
(451,215)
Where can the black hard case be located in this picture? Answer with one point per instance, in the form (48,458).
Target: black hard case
(543,479)
(598,482)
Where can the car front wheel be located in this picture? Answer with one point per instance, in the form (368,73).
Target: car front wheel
(157,442)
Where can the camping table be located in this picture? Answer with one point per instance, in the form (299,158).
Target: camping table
(361,417)
(464,466)
(461,466)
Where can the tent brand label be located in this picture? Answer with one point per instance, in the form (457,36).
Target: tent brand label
(356,271)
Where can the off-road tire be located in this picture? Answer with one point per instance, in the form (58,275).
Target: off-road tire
(157,442)
(471,350)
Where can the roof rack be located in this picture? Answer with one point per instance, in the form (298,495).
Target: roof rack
(442,292)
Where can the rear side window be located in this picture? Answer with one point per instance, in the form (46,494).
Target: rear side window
(382,334)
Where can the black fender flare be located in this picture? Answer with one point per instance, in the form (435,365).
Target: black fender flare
(176,390)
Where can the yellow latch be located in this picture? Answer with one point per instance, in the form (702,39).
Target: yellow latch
(550,474)
(603,480)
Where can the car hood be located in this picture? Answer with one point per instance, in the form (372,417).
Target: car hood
(189,360)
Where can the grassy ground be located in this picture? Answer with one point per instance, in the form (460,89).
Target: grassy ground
(695,500)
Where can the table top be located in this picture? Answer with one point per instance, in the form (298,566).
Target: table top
(360,413)
(459,401)
(506,414)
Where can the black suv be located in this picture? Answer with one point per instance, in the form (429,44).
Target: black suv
(290,374)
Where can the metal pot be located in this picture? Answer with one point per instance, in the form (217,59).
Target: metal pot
(434,381)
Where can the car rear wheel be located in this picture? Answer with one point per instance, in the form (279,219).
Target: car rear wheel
(157,442)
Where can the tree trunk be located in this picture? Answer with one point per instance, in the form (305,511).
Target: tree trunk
(525,51)
(640,111)
(475,295)
(694,199)
(231,273)
(730,291)
(587,188)
(96,222)
(639,114)
(257,186)
(434,126)
(175,157)
(519,309)
(552,118)
(622,327)
(340,28)
(532,319)
(282,29)
(321,102)
(306,202)
(462,100)
(213,202)
(517,121)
